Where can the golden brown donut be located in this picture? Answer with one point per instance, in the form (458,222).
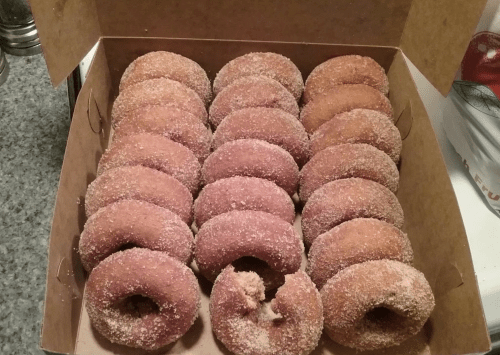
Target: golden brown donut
(233,235)
(139,183)
(159,91)
(347,69)
(129,223)
(168,65)
(156,152)
(172,123)
(269,124)
(340,99)
(345,161)
(272,65)
(242,193)
(252,157)
(376,304)
(354,242)
(252,91)
(165,312)
(341,200)
(359,126)
(292,325)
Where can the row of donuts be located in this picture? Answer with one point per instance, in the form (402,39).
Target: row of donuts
(254,170)
(351,218)
(137,243)
(145,163)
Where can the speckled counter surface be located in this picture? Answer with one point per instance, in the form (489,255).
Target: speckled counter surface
(34,124)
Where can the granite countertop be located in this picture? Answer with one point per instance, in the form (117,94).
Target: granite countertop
(34,125)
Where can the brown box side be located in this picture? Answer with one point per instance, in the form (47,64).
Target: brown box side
(65,277)
(432,216)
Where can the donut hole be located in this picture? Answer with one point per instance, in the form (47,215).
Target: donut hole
(137,306)
(127,246)
(383,318)
(249,263)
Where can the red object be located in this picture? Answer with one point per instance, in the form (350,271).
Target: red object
(481,62)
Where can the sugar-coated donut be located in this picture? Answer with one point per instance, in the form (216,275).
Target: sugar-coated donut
(252,91)
(272,65)
(252,157)
(242,193)
(159,91)
(139,183)
(142,298)
(269,124)
(340,99)
(172,123)
(348,69)
(168,65)
(345,161)
(341,200)
(134,223)
(376,304)
(354,242)
(233,235)
(291,325)
(156,152)
(359,126)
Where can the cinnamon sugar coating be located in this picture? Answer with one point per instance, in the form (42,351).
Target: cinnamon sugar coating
(341,200)
(251,91)
(170,288)
(354,242)
(348,69)
(134,223)
(156,152)
(376,304)
(252,157)
(272,65)
(233,235)
(340,99)
(359,126)
(242,193)
(345,161)
(272,125)
(139,183)
(291,325)
(168,65)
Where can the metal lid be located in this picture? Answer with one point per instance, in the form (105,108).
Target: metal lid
(4,68)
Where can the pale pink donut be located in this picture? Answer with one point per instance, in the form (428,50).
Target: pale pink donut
(134,223)
(168,65)
(172,123)
(233,235)
(359,126)
(139,183)
(156,152)
(272,65)
(354,242)
(252,157)
(272,125)
(347,69)
(340,99)
(165,312)
(252,91)
(376,304)
(159,91)
(292,325)
(242,193)
(341,200)
(345,161)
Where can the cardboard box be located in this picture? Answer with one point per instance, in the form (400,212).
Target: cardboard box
(433,34)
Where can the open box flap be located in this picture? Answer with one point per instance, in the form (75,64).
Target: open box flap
(433,34)
(436,37)
(68,29)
